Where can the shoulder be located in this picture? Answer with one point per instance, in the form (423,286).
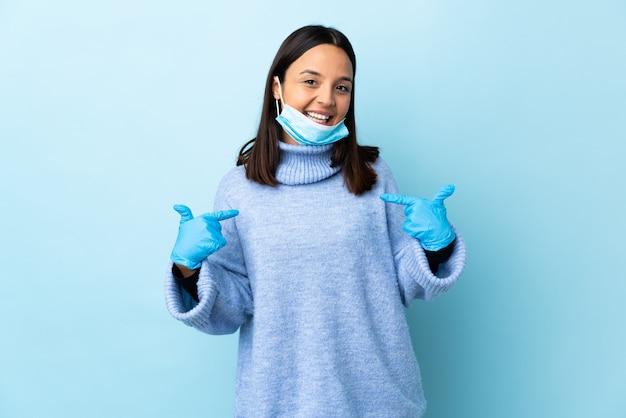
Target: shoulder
(234,176)
(385,180)
(232,184)
(381,167)
(236,186)
(383,170)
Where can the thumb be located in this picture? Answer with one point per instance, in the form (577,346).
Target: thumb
(397,198)
(221,215)
(185,213)
(443,193)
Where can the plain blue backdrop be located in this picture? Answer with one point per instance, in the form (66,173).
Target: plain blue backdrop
(112,111)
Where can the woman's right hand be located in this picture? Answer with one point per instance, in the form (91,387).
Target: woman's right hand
(198,237)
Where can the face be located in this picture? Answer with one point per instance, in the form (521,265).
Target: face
(318,84)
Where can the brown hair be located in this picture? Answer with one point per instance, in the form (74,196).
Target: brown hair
(261,155)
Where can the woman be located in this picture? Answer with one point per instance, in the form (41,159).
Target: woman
(304,257)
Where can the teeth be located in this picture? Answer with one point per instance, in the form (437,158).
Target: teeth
(317,116)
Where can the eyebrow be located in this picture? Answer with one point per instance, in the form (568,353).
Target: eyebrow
(312,72)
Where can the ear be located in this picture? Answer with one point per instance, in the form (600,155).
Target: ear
(275,90)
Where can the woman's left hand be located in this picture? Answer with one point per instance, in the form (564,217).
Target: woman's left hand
(426,219)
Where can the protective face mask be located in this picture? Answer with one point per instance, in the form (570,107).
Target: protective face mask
(305,131)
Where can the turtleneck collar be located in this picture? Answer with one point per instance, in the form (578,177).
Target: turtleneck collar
(304,164)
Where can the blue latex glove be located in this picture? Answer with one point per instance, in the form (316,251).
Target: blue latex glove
(426,219)
(198,237)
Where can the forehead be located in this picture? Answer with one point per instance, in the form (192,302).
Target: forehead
(326,59)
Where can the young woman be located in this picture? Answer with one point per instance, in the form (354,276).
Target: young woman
(309,254)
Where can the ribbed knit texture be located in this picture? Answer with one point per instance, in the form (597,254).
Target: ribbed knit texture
(316,279)
(297,167)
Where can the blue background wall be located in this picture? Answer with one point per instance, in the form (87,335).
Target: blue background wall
(110,112)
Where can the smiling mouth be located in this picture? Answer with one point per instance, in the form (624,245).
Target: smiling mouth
(316,117)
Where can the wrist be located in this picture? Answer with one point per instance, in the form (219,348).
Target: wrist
(185,271)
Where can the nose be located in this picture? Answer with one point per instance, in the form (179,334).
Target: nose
(326,96)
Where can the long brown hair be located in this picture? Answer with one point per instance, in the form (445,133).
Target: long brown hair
(261,155)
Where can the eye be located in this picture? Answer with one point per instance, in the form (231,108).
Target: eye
(343,89)
(309,82)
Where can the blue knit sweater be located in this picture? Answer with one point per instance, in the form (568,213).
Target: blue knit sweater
(316,279)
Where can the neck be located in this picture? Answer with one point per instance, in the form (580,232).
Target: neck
(288,139)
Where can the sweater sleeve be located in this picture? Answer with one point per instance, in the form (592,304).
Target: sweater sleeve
(416,279)
(223,305)
(224,299)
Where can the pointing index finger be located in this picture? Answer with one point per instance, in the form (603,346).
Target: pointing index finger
(397,198)
(221,215)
